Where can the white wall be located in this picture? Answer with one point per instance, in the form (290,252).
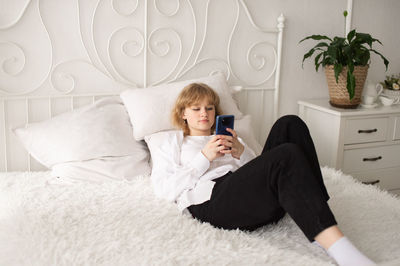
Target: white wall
(303,17)
(380,18)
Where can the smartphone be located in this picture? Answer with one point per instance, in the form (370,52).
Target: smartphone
(224,122)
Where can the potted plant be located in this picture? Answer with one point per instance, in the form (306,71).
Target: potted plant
(391,86)
(346,61)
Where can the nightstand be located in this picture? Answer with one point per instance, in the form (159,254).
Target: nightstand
(362,142)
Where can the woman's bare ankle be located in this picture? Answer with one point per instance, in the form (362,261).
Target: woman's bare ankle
(327,237)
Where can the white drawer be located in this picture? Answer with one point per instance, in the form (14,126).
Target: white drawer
(388,179)
(396,133)
(365,130)
(356,160)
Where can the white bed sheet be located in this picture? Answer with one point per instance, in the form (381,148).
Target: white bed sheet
(47,222)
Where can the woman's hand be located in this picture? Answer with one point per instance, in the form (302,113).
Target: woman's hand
(220,145)
(213,148)
(235,148)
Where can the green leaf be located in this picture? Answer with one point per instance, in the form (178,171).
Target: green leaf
(324,59)
(385,61)
(316,37)
(350,66)
(338,69)
(321,44)
(346,54)
(316,61)
(361,56)
(363,38)
(376,40)
(351,83)
(332,52)
(351,35)
(307,55)
(338,41)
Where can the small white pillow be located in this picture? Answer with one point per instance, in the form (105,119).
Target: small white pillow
(93,131)
(104,169)
(245,131)
(150,108)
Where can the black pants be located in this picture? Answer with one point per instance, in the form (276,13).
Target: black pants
(286,177)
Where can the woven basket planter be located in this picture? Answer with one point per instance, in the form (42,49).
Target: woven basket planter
(339,96)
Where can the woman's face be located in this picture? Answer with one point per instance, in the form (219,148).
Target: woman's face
(200,118)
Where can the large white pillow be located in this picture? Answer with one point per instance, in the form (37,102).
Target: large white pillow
(100,129)
(150,108)
(92,142)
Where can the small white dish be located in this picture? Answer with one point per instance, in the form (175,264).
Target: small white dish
(369,105)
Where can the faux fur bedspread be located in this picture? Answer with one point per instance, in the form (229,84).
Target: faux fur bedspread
(121,223)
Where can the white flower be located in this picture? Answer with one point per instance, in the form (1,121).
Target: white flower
(396,86)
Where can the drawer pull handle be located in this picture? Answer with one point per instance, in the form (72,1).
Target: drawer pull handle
(372,159)
(367,130)
(372,182)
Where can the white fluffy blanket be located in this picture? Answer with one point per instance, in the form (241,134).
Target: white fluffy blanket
(121,223)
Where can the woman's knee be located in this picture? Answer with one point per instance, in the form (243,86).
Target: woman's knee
(291,121)
(292,159)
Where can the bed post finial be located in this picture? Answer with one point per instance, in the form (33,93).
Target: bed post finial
(281,22)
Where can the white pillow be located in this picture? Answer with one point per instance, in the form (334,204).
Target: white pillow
(245,131)
(100,129)
(150,108)
(95,140)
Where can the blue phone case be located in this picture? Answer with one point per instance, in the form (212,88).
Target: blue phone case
(223,122)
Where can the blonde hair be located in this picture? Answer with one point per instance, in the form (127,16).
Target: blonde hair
(192,94)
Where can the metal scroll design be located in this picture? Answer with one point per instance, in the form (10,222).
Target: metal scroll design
(122,41)
(166,45)
(18,71)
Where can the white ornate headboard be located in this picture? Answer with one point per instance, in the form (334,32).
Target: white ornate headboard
(59,55)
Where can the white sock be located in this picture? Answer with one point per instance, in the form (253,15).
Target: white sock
(346,254)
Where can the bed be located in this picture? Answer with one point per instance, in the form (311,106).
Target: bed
(46,222)
(74,183)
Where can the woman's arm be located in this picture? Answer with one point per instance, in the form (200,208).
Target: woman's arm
(168,176)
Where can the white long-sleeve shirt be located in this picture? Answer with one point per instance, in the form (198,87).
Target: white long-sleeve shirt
(181,173)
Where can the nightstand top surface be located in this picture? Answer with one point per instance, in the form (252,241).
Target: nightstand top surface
(323,105)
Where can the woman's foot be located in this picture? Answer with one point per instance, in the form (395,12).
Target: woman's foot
(345,253)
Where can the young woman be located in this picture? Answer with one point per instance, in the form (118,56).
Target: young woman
(219,180)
